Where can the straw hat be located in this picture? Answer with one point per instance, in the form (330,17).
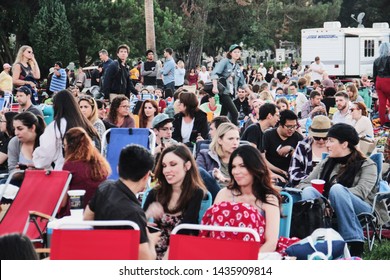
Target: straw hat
(320,126)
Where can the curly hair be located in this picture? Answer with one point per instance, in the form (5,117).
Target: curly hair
(80,147)
(143,119)
(192,180)
(254,162)
(115,104)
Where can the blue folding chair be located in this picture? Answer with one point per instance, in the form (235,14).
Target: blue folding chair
(115,139)
(285,220)
(206,203)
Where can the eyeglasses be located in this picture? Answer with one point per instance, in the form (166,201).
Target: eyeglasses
(167,128)
(125,106)
(291,127)
(30,51)
(320,138)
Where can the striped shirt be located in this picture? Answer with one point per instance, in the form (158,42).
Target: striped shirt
(58,83)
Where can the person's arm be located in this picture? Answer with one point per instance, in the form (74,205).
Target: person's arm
(109,75)
(35,68)
(3,157)
(223,195)
(272,212)
(89,215)
(367,181)
(130,87)
(191,213)
(13,153)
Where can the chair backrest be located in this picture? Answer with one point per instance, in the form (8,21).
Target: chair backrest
(121,137)
(41,191)
(285,220)
(136,120)
(206,203)
(95,244)
(186,247)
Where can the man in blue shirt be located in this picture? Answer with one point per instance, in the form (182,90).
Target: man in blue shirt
(168,70)
(58,81)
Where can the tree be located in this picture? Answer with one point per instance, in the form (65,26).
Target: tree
(149,26)
(51,35)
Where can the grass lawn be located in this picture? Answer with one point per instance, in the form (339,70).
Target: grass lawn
(380,251)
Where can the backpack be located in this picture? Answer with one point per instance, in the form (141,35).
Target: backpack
(309,215)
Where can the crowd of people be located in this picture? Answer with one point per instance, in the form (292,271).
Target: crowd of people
(251,130)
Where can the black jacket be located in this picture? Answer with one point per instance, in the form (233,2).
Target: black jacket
(117,80)
(382,67)
(200,126)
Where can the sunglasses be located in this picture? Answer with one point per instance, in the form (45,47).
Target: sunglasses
(320,138)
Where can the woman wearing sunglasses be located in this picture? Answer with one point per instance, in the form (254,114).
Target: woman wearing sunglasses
(309,151)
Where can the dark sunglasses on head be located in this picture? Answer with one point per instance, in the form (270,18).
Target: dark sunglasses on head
(319,138)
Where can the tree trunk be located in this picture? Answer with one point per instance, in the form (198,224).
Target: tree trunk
(197,38)
(149,26)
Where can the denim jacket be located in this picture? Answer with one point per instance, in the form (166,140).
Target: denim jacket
(230,72)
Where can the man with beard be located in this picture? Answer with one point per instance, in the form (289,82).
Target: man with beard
(343,114)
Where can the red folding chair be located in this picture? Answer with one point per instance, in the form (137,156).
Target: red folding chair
(187,247)
(41,191)
(95,244)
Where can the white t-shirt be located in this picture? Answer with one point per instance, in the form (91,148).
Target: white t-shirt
(186,129)
(314,67)
(204,76)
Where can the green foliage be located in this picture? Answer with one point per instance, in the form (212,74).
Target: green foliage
(50,34)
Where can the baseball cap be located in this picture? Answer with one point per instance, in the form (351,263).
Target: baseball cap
(6,65)
(161,118)
(234,46)
(24,89)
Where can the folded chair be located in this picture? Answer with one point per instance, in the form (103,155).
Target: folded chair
(285,220)
(38,200)
(369,220)
(115,139)
(186,247)
(84,243)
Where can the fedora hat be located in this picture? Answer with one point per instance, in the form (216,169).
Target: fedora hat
(320,126)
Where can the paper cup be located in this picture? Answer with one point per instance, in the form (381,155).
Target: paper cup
(318,184)
(76,199)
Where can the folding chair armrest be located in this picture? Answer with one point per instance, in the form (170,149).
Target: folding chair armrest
(36,214)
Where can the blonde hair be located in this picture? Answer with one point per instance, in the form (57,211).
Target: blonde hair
(19,56)
(266,96)
(92,102)
(220,133)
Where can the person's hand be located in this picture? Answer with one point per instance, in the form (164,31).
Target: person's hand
(284,151)
(199,138)
(217,174)
(153,237)
(215,89)
(276,177)
(155,211)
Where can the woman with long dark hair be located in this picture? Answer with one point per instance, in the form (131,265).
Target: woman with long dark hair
(147,112)
(66,116)
(28,128)
(178,195)
(251,185)
(350,184)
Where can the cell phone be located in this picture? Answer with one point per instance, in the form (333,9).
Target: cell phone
(22,166)
(153,229)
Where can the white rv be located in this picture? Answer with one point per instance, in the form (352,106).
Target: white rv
(344,51)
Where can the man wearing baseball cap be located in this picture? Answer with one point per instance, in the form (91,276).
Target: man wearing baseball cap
(23,97)
(6,78)
(163,128)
